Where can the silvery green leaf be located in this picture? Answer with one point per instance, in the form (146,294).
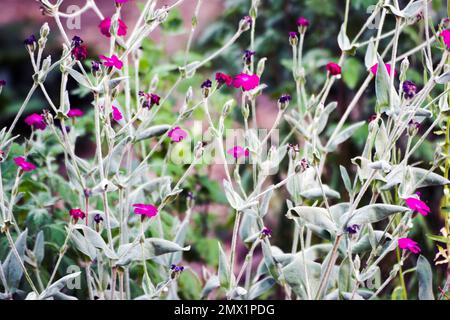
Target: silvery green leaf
(372,237)
(338,210)
(380,165)
(62,296)
(73,177)
(425,177)
(96,240)
(317,193)
(280,257)
(12,268)
(81,79)
(260,287)
(58,286)
(210,285)
(370,58)
(114,83)
(269,260)
(382,143)
(343,40)
(428,62)
(261,66)
(104,186)
(258,90)
(180,238)
(413,9)
(346,179)
(152,247)
(224,268)
(152,132)
(248,226)
(371,273)
(115,158)
(364,171)
(236,293)
(233,198)
(346,283)
(83,245)
(364,243)
(344,135)
(373,213)
(295,276)
(394,10)
(296,125)
(38,250)
(324,115)
(313,215)
(382,84)
(443,78)
(265,201)
(425,276)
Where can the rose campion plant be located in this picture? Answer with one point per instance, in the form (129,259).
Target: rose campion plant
(128,212)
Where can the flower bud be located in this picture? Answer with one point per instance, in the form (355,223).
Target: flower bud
(283,102)
(45,30)
(245,23)
(293,38)
(404,68)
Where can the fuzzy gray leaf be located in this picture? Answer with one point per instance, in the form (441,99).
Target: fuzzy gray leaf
(425,276)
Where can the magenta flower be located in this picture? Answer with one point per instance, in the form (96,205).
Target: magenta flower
(116,114)
(446,37)
(150,99)
(36,121)
(246,81)
(147,210)
(105,26)
(80,53)
(374,69)
(74,113)
(418,205)
(177,134)
(302,22)
(26,166)
(77,214)
(238,152)
(223,78)
(114,61)
(408,244)
(334,69)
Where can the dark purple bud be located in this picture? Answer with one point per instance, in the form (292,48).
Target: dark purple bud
(373,118)
(206,84)
(353,229)
(30,41)
(95,65)
(409,89)
(76,41)
(285,98)
(98,218)
(2,83)
(248,55)
(293,34)
(414,124)
(190,195)
(266,232)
